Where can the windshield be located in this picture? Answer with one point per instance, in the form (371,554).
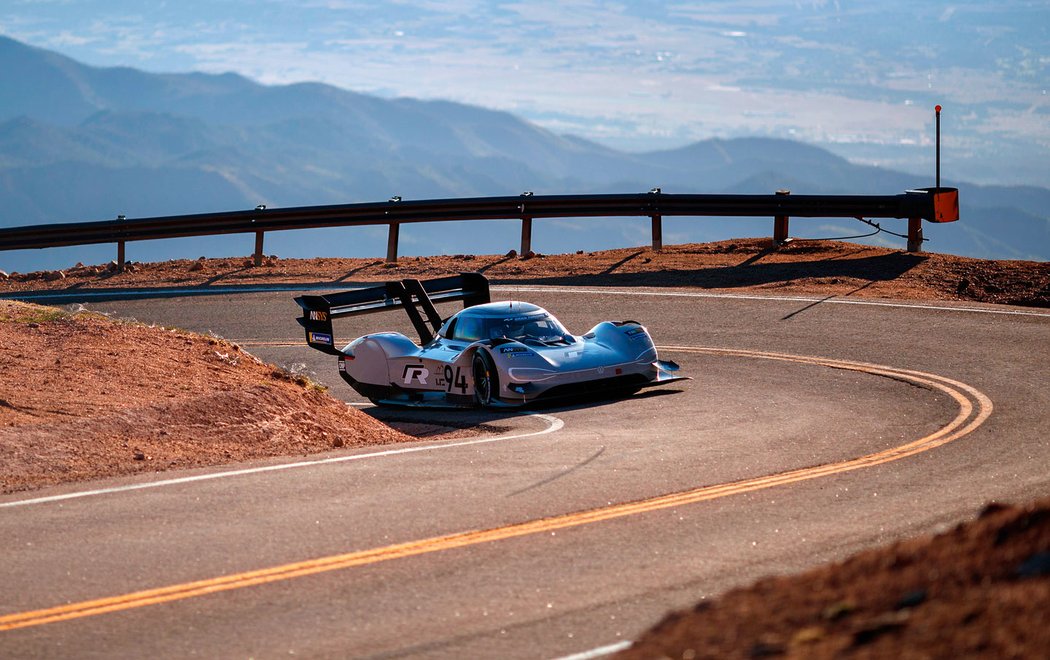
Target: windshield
(530,328)
(539,327)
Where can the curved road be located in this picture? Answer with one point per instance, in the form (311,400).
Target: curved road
(812,429)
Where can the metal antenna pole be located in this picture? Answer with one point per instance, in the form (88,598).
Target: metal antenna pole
(938,111)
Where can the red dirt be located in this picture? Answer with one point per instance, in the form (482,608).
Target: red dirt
(83,397)
(825,268)
(981,590)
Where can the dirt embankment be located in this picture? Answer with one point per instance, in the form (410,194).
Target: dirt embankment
(83,396)
(981,590)
(824,268)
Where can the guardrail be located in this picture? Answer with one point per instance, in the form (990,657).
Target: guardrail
(931,204)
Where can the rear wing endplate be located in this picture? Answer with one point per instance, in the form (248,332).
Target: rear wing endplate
(410,294)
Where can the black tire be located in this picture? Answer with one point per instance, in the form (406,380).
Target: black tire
(486,380)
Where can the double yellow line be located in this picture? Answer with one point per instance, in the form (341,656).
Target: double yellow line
(974,409)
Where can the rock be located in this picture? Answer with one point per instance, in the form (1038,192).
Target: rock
(130,268)
(879,626)
(248,263)
(528,255)
(1037,565)
(338,442)
(139,456)
(54,275)
(196,265)
(838,610)
(765,648)
(808,635)
(4,276)
(911,599)
(512,254)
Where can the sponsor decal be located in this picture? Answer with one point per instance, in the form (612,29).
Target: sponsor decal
(320,338)
(318,316)
(513,349)
(342,365)
(525,319)
(637,334)
(415,372)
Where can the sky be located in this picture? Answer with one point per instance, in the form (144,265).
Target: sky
(859,77)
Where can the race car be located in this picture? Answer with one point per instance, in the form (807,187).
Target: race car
(489,354)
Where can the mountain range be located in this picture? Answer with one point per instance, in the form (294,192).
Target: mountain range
(81,143)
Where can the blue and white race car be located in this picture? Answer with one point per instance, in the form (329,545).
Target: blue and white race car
(488,354)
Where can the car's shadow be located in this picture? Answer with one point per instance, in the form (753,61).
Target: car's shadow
(426,423)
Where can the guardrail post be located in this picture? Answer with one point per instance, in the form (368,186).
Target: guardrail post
(526,236)
(257,257)
(120,249)
(658,232)
(914,234)
(780,224)
(391,243)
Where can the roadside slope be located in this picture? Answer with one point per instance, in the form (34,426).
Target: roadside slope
(802,267)
(979,590)
(83,396)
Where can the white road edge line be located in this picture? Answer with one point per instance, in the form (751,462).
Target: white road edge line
(599,652)
(553,424)
(740,296)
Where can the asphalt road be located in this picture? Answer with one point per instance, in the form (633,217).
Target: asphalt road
(780,387)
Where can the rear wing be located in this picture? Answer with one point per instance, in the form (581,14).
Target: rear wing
(319,311)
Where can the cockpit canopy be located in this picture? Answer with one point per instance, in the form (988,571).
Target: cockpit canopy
(516,321)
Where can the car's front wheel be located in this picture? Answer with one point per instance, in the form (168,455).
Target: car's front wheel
(486,381)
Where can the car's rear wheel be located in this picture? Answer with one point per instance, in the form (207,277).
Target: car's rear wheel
(486,381)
